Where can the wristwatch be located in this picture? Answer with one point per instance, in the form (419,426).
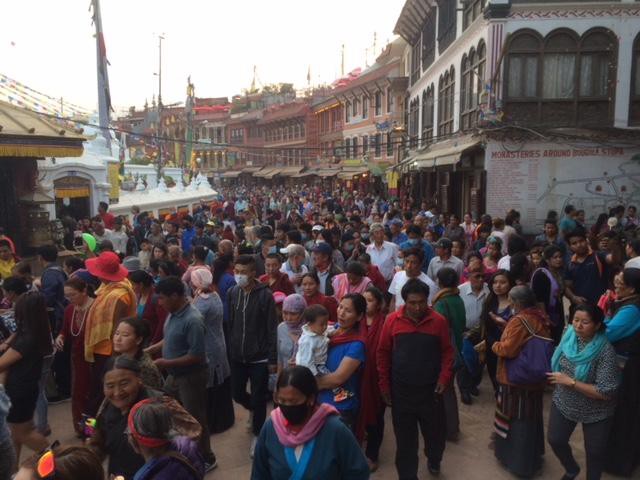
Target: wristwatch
(573,385)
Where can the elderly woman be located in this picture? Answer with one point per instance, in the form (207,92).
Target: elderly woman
(167,457)
(519,441)
(492,254)
(346,356)
(586,376)
(123,388)
(353,280)
(220,406)
(294,267)
(623,331)
(290,329)
(300,424)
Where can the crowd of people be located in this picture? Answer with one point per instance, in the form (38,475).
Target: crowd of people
(335,307)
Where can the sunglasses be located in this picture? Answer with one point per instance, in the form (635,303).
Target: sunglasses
(46,465)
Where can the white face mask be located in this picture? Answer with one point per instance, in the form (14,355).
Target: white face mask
(242,280)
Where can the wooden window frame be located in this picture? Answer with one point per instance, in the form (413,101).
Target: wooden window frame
(446,91)
(571,110)
(634,96)
(428,105)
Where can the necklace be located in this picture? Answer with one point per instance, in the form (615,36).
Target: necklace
(74,319)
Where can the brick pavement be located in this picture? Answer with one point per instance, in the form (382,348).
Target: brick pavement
(469,458)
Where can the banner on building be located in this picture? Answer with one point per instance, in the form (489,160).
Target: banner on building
(536,177)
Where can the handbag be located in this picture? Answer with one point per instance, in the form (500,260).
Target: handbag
(534,360)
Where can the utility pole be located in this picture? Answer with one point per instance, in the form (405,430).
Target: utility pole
(104,95)
(342,62)
(159,167)
(375,44)
(61,107)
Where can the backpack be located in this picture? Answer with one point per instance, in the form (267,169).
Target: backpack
(533,362)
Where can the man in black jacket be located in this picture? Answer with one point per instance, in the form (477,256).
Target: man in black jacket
(253,326)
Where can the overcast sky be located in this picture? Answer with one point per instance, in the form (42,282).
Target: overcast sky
(49,45)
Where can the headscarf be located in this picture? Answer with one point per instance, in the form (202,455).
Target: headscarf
(201,279)
(581,359)
(294,303)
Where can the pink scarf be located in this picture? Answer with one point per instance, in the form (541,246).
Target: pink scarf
(310,429)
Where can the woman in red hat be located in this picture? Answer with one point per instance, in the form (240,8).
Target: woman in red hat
(115,300)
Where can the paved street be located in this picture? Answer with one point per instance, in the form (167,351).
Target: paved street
(468,458)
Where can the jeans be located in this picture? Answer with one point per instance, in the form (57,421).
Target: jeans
(190,390)
(7,459)
(595,443)
(42,419)
(257,375)
(429,416)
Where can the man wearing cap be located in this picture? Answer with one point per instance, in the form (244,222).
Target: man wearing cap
(324,267)
(201,238)
(115,300)
(443,259)
(383,254)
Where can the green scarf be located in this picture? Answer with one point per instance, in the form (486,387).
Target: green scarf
(580,359)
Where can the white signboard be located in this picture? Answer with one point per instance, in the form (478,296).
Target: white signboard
(534,178)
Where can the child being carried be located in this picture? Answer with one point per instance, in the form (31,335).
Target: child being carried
(313,344)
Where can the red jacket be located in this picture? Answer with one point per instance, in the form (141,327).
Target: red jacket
(432,325)
(376,278)
(282,284)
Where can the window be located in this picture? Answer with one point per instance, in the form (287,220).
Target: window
(347,148)
(427,115)
(354,107)
(634,110)
(447,16)
(378,103)
(210,133)
(389,100)
(365,106)
(429,39)
(414,118)
(472,86)
(347,112)
(377,145)
(472,10)
(446,88)
(354,147)
(389,144)
(415,61)
(365,145)
(563,79)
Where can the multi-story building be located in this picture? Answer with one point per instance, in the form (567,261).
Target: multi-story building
(290,139)
(371,110)
(209,131)
(525,105)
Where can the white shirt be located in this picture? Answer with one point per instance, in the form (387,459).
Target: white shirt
(400,279)
(286,268)
(505,263)
(472,302)
(633,263)
(384,257)
(312,351)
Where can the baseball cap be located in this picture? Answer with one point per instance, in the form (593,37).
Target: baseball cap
(317,228)
(324,248)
